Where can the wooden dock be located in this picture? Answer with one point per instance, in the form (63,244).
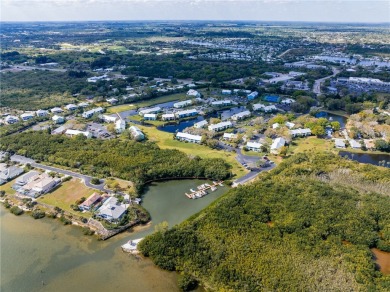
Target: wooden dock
(202,190)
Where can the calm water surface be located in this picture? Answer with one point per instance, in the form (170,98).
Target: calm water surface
(44,255)
(370,158)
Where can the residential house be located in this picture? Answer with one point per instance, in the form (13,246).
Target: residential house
(72,133)
(27,116)
(120,126)
(137,133)
(277,144)
(200,124)
(150,117)
(38,185)
(270,108)
(90,202)
(112,210)
(220,126)
(168,117)
(56,110)
(287,101)
(355,144)
(186,113)
(252,95)
(58,119)
(7,173)
(24,179)
(339,143)
(241,116)
(181,104)
(109,119)
(290,125)
(226,92)
(188,137)
(153,110)
(112,101)
(229,136)
(83,104)
(71,107)
(220,103)
(300,132)
(254,146)
(42,113)
(11,119)
(275,126)
(90,113)
(193,92)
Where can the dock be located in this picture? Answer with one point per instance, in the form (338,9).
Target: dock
(202,190)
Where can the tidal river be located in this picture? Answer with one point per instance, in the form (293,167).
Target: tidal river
(44,255)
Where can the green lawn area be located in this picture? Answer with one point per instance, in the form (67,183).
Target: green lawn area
(165,141)
(7,187)
(311,143)
(68,193)
(145,103)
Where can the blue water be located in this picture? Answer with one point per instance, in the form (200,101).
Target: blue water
(178,127)
(335,118)
(375,159)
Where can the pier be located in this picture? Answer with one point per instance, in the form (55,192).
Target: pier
(202,190)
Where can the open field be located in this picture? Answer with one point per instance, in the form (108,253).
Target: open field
(67,194)
(165,141)
(310,144)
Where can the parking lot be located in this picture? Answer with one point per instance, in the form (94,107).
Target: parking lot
(98,131)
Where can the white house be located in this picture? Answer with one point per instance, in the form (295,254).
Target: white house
(287,101)
(188,137)
(186,113)
(72,133)
(137,133)
(183,103)
(270,108)
(258,106)
(58,119)
(300,132)
(27,116)
(109,119)
(252,95)
(241,115)
(150,117)
(120,125)
(220,126)
(229,136)
(275,126)
(354,144)
(83,104)
(221,102)
(339,143)
(112,210)
(226,92)
(90,113)
(290,125)
(112,100)
(168,117)
(277,144)
(56,110)
(71,107)
(11,120)
(193,92)
(90,202)
(153,110)
(254,146)
(200,124)
(42,113)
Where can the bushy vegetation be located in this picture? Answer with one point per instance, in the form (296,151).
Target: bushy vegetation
(16,210)
(293,230)
(129,160)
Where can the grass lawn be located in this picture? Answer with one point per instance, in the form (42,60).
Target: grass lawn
(119,108)
(7,187)
(67,194)
(311,143)
(165,141)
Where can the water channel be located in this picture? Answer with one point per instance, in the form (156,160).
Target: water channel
(44,255)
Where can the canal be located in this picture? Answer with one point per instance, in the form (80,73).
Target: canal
(370,158)
(44,255)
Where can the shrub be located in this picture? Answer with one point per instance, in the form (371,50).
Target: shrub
(95,181)
(187,282)
(38,214)
(16,210)
(65,220)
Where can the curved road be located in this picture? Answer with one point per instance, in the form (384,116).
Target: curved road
(317,83)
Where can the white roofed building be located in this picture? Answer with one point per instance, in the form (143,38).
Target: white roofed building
(254,146)
(72,133)
(220,126)
(188,137)
(277,144)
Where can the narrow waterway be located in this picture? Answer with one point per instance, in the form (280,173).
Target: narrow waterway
(44,255)
(370,158)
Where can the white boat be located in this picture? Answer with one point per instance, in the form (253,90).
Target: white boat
(192,190)
(131,246)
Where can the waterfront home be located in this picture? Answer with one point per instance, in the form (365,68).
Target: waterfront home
(109,119)
(72,133)
(150,117)
(370,144)
(181,104)
(112,210)
(24,179)
(56,110)
(254,146)
(339,143)
(300,132)
(42,113)
(193,92)
(241,116)
(90,202)
(71,107)
(287,101)
(354,144)
(229,136)
(188,137)
(7,173)
(226,92)
(277,144)
(153,110)
(219,103)
(201,124)
(258,106)
(11,120)
(90,113)
(58,131)
(168,117)
(27,116)
(252,95)
(220,126)
(120,126)
(186,113)
(38,184)
(264,108)
(83,104)
(58,119)
(137,133)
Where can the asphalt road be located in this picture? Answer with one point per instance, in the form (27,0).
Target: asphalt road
(317,83)
(251,175)
(87,179)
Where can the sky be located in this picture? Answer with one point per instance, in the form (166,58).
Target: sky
(262,10)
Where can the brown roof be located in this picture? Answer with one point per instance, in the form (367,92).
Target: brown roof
(92,199)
